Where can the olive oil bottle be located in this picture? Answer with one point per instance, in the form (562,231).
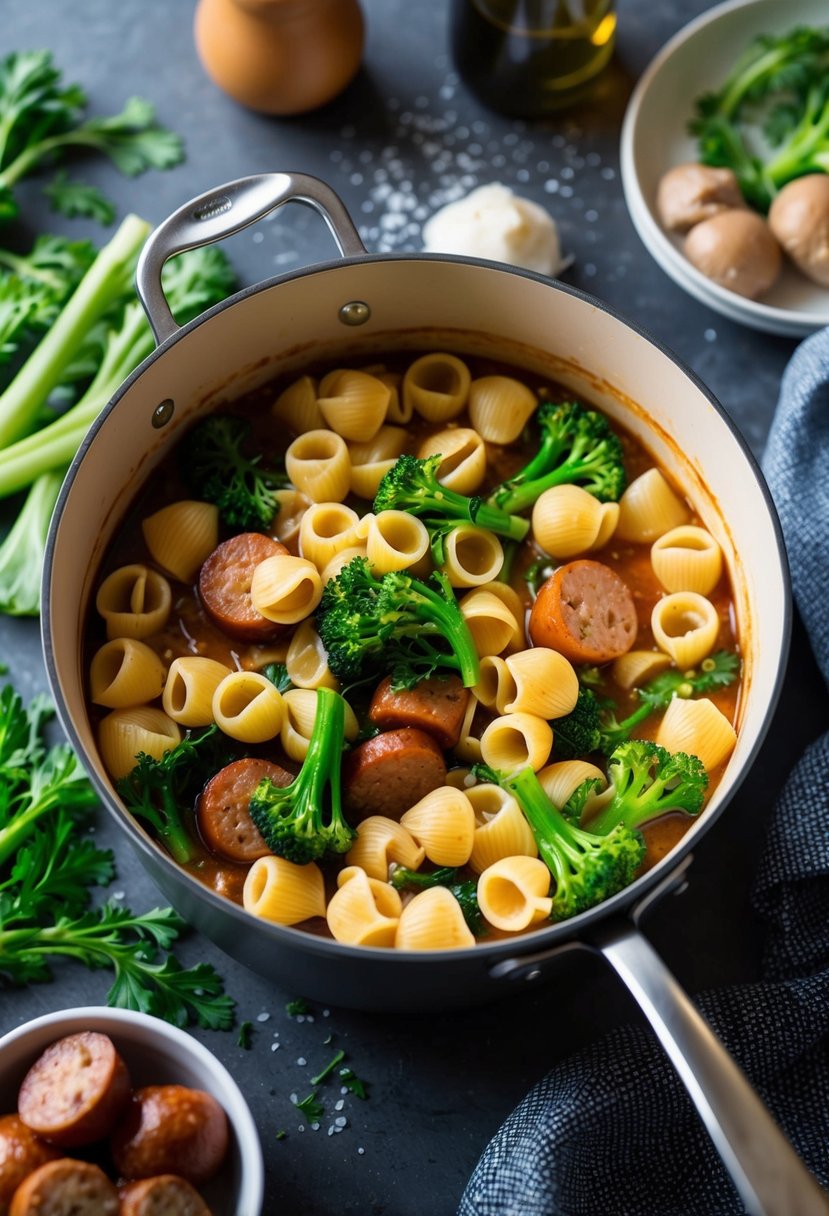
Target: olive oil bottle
(527,58)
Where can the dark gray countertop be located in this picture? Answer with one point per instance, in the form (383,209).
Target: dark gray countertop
(403,137)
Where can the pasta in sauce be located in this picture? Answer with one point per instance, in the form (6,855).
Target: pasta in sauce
(164,664)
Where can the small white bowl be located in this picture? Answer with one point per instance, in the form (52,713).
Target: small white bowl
(155,1053)
(655,138)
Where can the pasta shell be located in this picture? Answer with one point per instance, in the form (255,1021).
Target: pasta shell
(188,693)
(514,893)
(287,894)
(292,506)
(699,728)
(443,822)
(635,668)
(685,625)
(436,386)
(363,911)
(353,403)
(546,683)
(306,660)
(516,741)
(125,672)
(333,568)
(382,842)
(501,829)
(297,406)
(496,685)
(319,466)
(326,527)
(395,540)
(181,536)
(648,508)
(248,707)
(463,467)
(499,407)
(560,780)
(433,920)
(300,712)
(285,589)
(490,619)
(126,732)
(566,520)
(134,601)
(473,556)
(687,559)
(398,410)
(370,461)
(510,598)
(468,747)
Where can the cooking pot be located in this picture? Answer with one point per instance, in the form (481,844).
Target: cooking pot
(358,306)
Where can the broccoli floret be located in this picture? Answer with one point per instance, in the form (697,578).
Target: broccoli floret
(465,891)
(587,868)
(648,781)
(163,791)
(779,84)
(593,726)
(296,820)
(577,447)
(218,471)
(412,485)
(393,624)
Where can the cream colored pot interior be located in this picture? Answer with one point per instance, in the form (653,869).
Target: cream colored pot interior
(430,304)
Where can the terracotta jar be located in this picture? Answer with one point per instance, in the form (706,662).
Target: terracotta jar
(280,56)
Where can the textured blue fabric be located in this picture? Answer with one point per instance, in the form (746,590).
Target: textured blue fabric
(582,1141)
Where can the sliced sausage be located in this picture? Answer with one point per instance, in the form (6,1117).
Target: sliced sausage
(223,816)
(21,1153)
(586,612)
(170,1129)
(224,586)
(66,1188)
(391,772)
(436,705)
(75,1091)
(165,1195)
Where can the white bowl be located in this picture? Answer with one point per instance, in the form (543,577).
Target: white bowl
(155,1053)
(655,138)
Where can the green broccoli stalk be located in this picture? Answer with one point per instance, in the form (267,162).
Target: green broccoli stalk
(21,553)
(592,726)
(587,868)
(412,485)
(394,624)
(162,792)
(647,781)
(294,819)
(779,84)
(465,891)
(218,470)
(577,447)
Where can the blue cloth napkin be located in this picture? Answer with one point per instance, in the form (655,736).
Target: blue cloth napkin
(610,1132)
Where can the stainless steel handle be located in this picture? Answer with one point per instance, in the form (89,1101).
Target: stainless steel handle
(221,212)
(769,1176)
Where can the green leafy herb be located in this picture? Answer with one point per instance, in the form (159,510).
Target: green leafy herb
(311,1107)
(78,200)
(329,1068)
(245,1038)
(277,673)
(352,1083)
(22,551)
(297,1008)
(218,468)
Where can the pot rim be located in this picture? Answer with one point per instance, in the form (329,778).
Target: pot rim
(487,952)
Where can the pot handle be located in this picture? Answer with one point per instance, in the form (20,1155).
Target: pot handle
(223,211)
(766,1171)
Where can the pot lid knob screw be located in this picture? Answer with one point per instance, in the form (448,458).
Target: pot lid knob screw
(354,313)
(163,412)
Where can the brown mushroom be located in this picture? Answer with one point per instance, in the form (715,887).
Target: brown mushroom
(737,250)
(689,194)
(799,218)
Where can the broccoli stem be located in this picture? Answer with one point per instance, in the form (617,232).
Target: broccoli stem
(321,766)
(452,626)
(169,827)
(21,553)
(519,497)
(807,149)
(106,280)
(546,822)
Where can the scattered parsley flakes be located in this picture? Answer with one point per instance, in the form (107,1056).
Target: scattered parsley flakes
(353,1083)
(329,1068)
(245,1038)
(311,1106)
(297,1007)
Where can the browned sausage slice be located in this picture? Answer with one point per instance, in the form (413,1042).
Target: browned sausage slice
(586,612)
(391,772)
(165,1195)
(436,705)
(75,1091)
(223,816)
(21,1153)
(170,1129)
(66,1188)
(224,586)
